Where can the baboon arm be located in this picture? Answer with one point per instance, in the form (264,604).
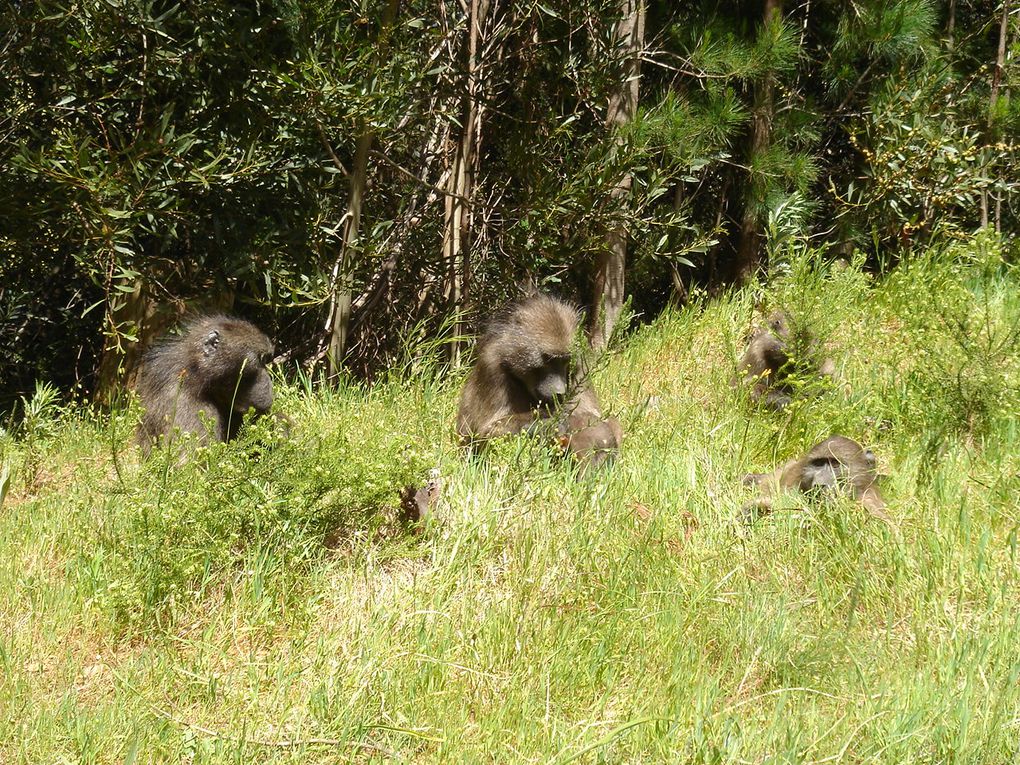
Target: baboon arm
(616,429)
(594,444)
(767,484)
(756,508)
(873,502)
(511,424)
(600,436)
(777,399)
(781,479)
(202,423)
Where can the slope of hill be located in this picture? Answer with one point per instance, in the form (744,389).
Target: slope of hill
(261,604)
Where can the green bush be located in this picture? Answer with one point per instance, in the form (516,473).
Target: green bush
(173,532)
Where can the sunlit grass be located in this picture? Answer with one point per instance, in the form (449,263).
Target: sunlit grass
(262,604)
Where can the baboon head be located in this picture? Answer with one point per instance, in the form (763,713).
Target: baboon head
(213,372)
(774,342)
(230,358)
(768,347)
(837,464)
(777,353)
(533,345)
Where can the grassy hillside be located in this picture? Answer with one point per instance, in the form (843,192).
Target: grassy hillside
(262,605)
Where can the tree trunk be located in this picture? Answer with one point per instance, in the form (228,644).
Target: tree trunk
(749,243)
(1000,60)
(133,322)
(338,319)
(951,26)
(608,293)
(457,225)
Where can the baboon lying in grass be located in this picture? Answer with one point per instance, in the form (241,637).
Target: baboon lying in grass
(527,379)
(837,465)
(771,359)
(204,380)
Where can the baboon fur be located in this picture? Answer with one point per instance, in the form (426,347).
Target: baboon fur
(527,378)
(770,359)
(593,444)
(204,380)
(837,465)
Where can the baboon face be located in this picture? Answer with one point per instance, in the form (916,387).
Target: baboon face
(779,324)
(767,348)
(234,357)
(535,347)
(547,381)
(820,473)
(837,464)
(773,343)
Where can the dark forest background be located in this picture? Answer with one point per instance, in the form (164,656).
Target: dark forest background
(357,177)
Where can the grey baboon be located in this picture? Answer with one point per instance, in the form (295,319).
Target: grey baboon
(204,380)
(773,355)
(527,378)
(836,465)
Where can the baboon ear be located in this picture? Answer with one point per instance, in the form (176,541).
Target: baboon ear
(211,343)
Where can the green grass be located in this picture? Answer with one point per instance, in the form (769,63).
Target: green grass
(263,605)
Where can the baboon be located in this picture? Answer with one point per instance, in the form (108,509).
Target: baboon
(771,358)
(592,444)
(416,502)
(204,380)
(836,465)
(527,378)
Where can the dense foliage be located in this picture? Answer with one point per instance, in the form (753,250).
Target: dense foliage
(357,175)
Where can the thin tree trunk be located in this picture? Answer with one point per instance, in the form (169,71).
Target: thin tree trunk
(749,244)
(998,196)
(134,320)
(457,223)
(1000,60)
(608,293)
(338,319)
(679,295)
(951,26)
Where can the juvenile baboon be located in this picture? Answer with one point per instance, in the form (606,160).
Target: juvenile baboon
(416,502)
(592,444)
(204,380)
(836,465)
(772,356)
(527,378)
